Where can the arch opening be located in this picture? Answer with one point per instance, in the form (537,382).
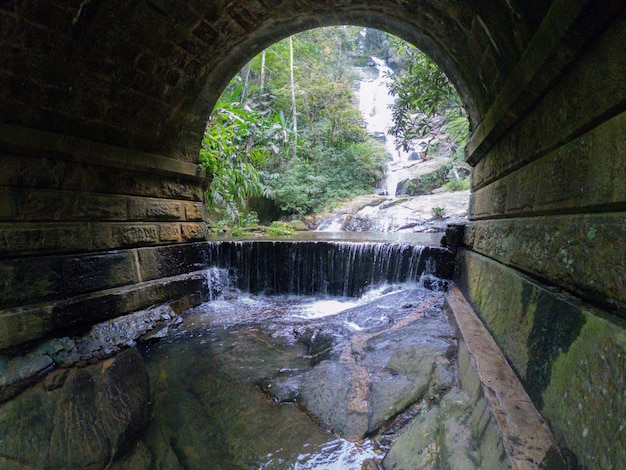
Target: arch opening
(375,116)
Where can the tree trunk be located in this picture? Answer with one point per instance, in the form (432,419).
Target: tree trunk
(262,85)
(293,100)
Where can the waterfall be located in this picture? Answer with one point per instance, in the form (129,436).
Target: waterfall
(375,105)
(330,268)
(216,281)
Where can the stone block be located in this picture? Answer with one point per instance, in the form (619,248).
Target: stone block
(30,280)
(170,232)
(68,205)
(193,231)
(133,235)
(167,261)
(29,238)
(585,254)
(89,273)
(193,211)
(575,368)
(154,209)
(20,325)
(95,207)
(7,204)
(164,210)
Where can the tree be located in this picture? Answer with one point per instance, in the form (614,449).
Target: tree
(236,142)
(296,135)
(425,97)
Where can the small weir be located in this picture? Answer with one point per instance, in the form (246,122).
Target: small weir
(325,267)
(303,355)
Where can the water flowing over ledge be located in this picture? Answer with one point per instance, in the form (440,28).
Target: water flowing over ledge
(332,268)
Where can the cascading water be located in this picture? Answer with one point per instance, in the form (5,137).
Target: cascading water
(331,268)
(375,104)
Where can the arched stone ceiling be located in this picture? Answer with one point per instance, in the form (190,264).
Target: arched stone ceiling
(145,74)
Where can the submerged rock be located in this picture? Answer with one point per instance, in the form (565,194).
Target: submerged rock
(78,418)
(439,438)
(416,447)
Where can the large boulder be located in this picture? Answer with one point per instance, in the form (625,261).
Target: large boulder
(78,418)
(375,376)
(422,178)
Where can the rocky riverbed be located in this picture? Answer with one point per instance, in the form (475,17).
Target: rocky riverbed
(409,214)
(249,382)
(292,382)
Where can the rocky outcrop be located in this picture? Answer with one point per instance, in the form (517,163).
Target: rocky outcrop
(79,418)
(404,214)
(101,341)
(376,375)
(416,179)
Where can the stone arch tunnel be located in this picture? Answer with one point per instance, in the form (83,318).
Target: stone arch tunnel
(103,105)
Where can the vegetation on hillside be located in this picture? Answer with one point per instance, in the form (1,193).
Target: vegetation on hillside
(426,103)
(288,127)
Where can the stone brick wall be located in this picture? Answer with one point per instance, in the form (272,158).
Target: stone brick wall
(61,194)
(545,257)
(72,214)
(144,74)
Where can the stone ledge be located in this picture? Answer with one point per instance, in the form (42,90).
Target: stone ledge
(35,142)
(570,356)
(25,324)
(494,389)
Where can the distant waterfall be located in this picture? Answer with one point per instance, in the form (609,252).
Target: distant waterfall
(375,105)
(333,268)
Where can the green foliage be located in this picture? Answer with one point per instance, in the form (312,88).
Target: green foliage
(321,175)
(246,144)
(461,185)
(237,141)
(278,228)
(438,212)
(424,92)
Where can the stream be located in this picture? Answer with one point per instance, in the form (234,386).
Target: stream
(298,382)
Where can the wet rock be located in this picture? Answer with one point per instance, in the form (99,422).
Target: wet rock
(404,214)
(77,418)
(102,340)
(319,343)
(458,450)
(327,394)
(376,375)
(284,389)
(403,381)
(440,438)
(416,447)
(137,458)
